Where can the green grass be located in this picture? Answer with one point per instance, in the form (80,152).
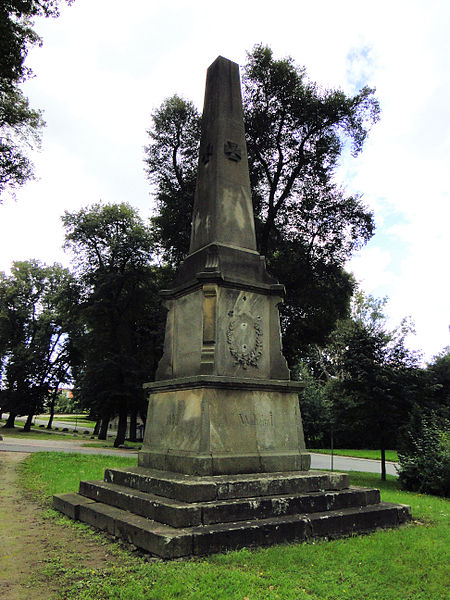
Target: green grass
(391,455)
(37,433)
(47,473)
(70,418)
(405,564)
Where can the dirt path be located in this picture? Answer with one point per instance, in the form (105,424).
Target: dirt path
(30,546)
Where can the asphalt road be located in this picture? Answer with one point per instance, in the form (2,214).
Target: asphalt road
(318,461)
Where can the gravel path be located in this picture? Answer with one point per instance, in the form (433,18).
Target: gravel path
(31,546)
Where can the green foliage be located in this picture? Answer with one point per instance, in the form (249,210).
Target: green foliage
(34,318)
(425,456)
(369,379)
(315,409)
(20,125)
(306,226)
(65,404)
(120,338)
(171,164)
(438,375)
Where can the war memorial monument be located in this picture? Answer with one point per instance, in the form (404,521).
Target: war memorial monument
(223,463)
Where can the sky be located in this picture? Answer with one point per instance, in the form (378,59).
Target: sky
(106,65)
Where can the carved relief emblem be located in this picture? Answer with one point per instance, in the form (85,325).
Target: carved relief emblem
(244,337)
(232,151)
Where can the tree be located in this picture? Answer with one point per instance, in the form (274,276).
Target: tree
(33,318)
(121,340)
(438,374)
(374,376)
(171,164)
(306,225)
(20,125)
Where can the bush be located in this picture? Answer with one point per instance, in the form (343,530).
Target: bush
(425,460)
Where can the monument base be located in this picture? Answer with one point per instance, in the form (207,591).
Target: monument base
(213,425)
(173,515)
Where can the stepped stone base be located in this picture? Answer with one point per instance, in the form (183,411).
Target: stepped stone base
(173,515)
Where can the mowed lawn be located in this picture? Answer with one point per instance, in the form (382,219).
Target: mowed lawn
(410,563)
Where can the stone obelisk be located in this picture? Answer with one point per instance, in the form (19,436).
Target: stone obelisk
(223,463)
(223,402)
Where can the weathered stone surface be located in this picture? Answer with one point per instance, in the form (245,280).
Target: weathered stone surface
(100,516)
(186,514)
(170,542)
(69,504)
(265,507)
(222,487)
(162,540)
(223,209)
(235,511)
(156,508)
(213,430)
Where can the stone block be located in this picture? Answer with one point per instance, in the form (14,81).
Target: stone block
(69,504)
(150,506)
(162,540)
(100,516)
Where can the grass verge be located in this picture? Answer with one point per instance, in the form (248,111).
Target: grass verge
(391,455)
(405,564)
(39,434)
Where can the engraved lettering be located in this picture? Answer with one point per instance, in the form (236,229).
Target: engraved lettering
(253,420)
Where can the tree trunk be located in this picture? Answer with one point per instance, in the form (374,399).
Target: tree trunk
(52,408)
(133,426)
(103,428)
(10,421)
(122,428)
(98,422)
(27,426)
(143,415)
(383,462)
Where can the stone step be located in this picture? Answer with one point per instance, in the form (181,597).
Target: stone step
(192,488)
(169,542)
(188,514)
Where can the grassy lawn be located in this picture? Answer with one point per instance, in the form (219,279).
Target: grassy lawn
(405,564)
(374,454)
(37,433)
(81,420)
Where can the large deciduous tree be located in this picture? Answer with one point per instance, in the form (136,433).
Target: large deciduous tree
(20,125)
(122,317)
(34,318)
(307,227)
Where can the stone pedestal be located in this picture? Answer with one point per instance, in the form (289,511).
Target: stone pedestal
(211,425)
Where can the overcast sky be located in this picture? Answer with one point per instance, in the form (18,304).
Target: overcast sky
(107,64)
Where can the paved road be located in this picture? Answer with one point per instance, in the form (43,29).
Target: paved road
(346,463)
(318,461)
(10,444)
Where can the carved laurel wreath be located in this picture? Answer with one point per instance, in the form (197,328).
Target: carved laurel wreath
(244,355)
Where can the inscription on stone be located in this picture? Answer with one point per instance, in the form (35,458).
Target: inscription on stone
(254,420)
